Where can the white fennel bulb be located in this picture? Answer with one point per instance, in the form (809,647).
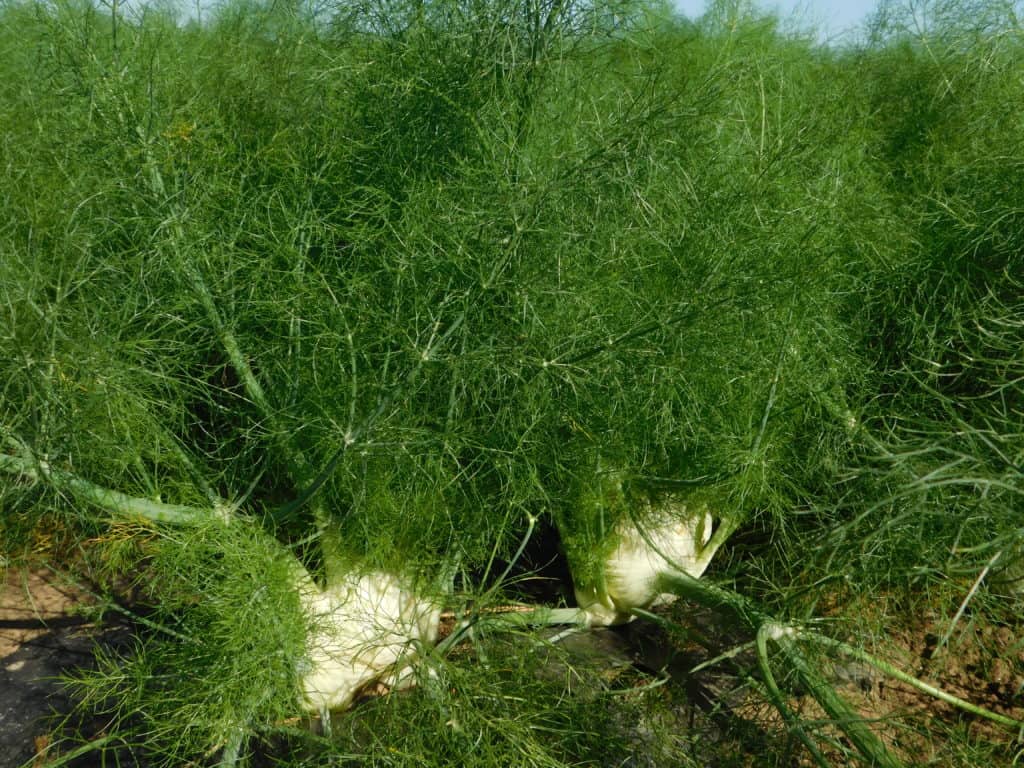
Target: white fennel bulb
(675,541)
(365,630)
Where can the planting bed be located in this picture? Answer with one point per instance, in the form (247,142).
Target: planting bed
(43,636)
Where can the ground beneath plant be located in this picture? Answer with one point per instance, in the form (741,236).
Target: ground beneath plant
(41,637)
(44,634)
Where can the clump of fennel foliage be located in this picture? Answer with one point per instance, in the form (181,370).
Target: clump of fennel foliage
(383,287)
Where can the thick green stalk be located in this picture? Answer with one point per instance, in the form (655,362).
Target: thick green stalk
(295,460)
(779,700)
(714,597)
(768,628)
(113,501)
(299,468)
(514,618)
(842,714)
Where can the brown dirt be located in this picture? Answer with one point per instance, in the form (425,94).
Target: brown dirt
(41,637)
(32,604)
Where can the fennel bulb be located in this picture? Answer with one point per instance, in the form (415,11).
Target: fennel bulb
(629,578)
(363,628)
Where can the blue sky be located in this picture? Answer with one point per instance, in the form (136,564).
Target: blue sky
(832,17)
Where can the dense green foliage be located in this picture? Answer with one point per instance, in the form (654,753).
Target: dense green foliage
(462,262)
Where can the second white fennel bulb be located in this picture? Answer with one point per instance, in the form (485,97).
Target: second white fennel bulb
(631,572)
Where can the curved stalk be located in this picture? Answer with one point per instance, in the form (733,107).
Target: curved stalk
(114,502)
(842,714)
(780,702)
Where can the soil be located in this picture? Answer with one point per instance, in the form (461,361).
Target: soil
(979,663)
(42,636)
